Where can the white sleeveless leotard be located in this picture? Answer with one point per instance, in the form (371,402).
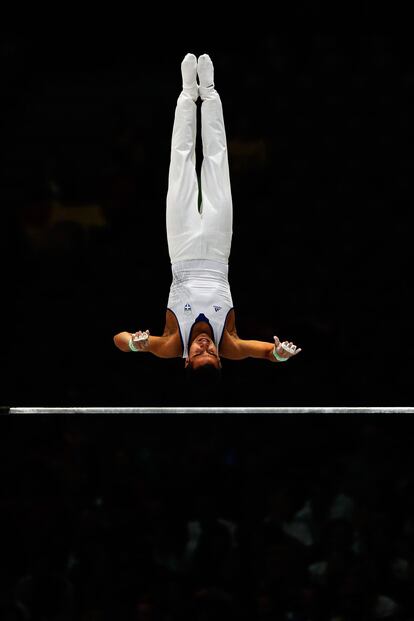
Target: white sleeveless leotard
(200,291)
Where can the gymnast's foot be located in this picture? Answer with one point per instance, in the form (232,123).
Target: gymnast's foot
(205,72)
(189,75)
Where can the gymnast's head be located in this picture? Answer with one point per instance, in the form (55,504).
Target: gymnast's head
(202,352)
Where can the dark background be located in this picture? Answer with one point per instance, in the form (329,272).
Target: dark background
(319,127)
(96,510)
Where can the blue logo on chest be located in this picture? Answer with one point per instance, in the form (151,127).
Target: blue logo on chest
(187,308)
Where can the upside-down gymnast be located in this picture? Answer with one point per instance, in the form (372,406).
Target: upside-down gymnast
(200,321)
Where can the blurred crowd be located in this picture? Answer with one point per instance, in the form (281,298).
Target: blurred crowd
(300,520)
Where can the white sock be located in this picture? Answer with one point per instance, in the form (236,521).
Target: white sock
(205,72)
(189,75)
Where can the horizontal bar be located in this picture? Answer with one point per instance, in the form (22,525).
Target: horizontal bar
(212,410)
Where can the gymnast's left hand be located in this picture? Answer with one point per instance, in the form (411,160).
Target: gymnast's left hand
(287,349)
(141,340)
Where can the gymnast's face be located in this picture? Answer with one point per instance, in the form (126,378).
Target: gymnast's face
(203,351)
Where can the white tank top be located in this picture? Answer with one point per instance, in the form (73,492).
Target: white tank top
(200,291)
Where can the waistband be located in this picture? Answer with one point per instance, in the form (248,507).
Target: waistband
(199,265)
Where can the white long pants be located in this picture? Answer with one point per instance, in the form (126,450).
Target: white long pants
(192,234)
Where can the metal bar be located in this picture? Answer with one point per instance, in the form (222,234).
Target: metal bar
(212,410)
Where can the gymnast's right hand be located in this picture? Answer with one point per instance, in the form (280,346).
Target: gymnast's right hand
(141,340)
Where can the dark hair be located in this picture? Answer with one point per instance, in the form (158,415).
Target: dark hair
(206,375)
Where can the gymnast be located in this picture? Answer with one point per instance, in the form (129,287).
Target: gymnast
(200,321)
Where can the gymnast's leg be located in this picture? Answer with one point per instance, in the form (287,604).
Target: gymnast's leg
(182,216)
(217,207)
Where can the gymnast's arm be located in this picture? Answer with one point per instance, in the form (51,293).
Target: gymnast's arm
(238,349)
(161,346)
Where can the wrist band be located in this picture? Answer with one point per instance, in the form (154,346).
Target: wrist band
(276,355)
(132,346)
